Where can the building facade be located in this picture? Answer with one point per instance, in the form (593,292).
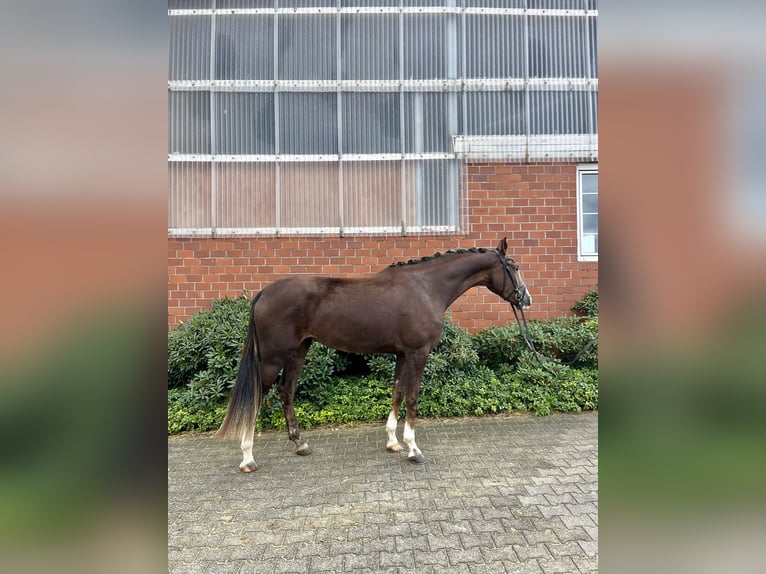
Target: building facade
(337,137)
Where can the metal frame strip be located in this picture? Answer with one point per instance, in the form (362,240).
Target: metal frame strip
(443,85)
(385,10)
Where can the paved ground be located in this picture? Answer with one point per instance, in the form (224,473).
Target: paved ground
(498,494)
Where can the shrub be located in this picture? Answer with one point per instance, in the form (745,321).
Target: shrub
(588,305)
(567,339)
(490,372)
(204,353)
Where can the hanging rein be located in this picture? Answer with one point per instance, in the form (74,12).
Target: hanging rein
(523,327)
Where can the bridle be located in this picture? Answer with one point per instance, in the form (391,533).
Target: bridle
(516,288)
(516,304)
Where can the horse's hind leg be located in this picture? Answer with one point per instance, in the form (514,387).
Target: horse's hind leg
(248,462)
(286,388)
(269,374)
(393,444)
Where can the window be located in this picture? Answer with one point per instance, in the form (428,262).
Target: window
(587,213)
(319,116)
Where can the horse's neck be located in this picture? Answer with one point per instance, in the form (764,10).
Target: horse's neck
(458,275)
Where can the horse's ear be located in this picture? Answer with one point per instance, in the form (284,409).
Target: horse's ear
(503,245)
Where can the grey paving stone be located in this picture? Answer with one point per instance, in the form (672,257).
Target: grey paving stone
(497,494)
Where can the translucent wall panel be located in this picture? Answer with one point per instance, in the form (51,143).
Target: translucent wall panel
(496,113)
(495,46)
(189,4)
(375,3)
(306,3)
(313,115)
(224,4)
(189,47)
(370,46)
(557,4)
(189,122)
(189,195)
(592,48)
(431,193)
(246,195)
(244,123)
(495,3)
(430,46)
(308,123)
(431,119)
(309,195)
(557,112)
(371,123)
(244,47)
(558,47)
(307,47)
(372,194)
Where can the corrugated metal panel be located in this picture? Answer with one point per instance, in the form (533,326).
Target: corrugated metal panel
(354,115)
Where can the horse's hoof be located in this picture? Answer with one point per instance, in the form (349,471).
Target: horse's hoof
(396,447)
(303,450)
(249,467)
(417,458)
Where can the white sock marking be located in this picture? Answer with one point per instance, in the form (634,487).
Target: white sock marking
(409,439)
(247,451)
(391,430)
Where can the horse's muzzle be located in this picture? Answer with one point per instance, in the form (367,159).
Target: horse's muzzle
(523,298)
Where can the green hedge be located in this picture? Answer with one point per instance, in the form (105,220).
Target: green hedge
(490,372)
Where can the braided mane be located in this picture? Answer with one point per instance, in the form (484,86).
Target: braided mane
(437,254)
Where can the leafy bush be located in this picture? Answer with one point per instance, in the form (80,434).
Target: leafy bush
(490,372)
(588,305)
(204,353)
(567,339)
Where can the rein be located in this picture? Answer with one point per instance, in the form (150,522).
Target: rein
(523,326)
(528,340)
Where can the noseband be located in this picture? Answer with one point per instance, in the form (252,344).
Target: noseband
(516,288)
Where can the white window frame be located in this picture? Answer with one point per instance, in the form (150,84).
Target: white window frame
(582,169)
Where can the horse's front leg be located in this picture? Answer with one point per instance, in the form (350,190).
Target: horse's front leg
(393,444)
(413,376)
(286,388)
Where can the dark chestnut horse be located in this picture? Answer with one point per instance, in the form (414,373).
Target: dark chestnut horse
(399,311)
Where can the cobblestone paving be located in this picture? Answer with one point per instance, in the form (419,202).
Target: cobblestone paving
(497,494)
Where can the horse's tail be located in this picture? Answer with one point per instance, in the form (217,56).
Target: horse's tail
(246,396)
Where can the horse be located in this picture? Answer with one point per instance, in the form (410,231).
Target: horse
(398,311)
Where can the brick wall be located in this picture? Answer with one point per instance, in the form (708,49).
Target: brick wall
(534,205)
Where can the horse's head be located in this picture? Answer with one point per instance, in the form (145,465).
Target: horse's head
(505,279)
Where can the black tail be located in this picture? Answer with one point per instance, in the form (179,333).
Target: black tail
(246,396)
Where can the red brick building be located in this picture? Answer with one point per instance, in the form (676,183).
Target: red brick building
(534,205)
(337,140)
